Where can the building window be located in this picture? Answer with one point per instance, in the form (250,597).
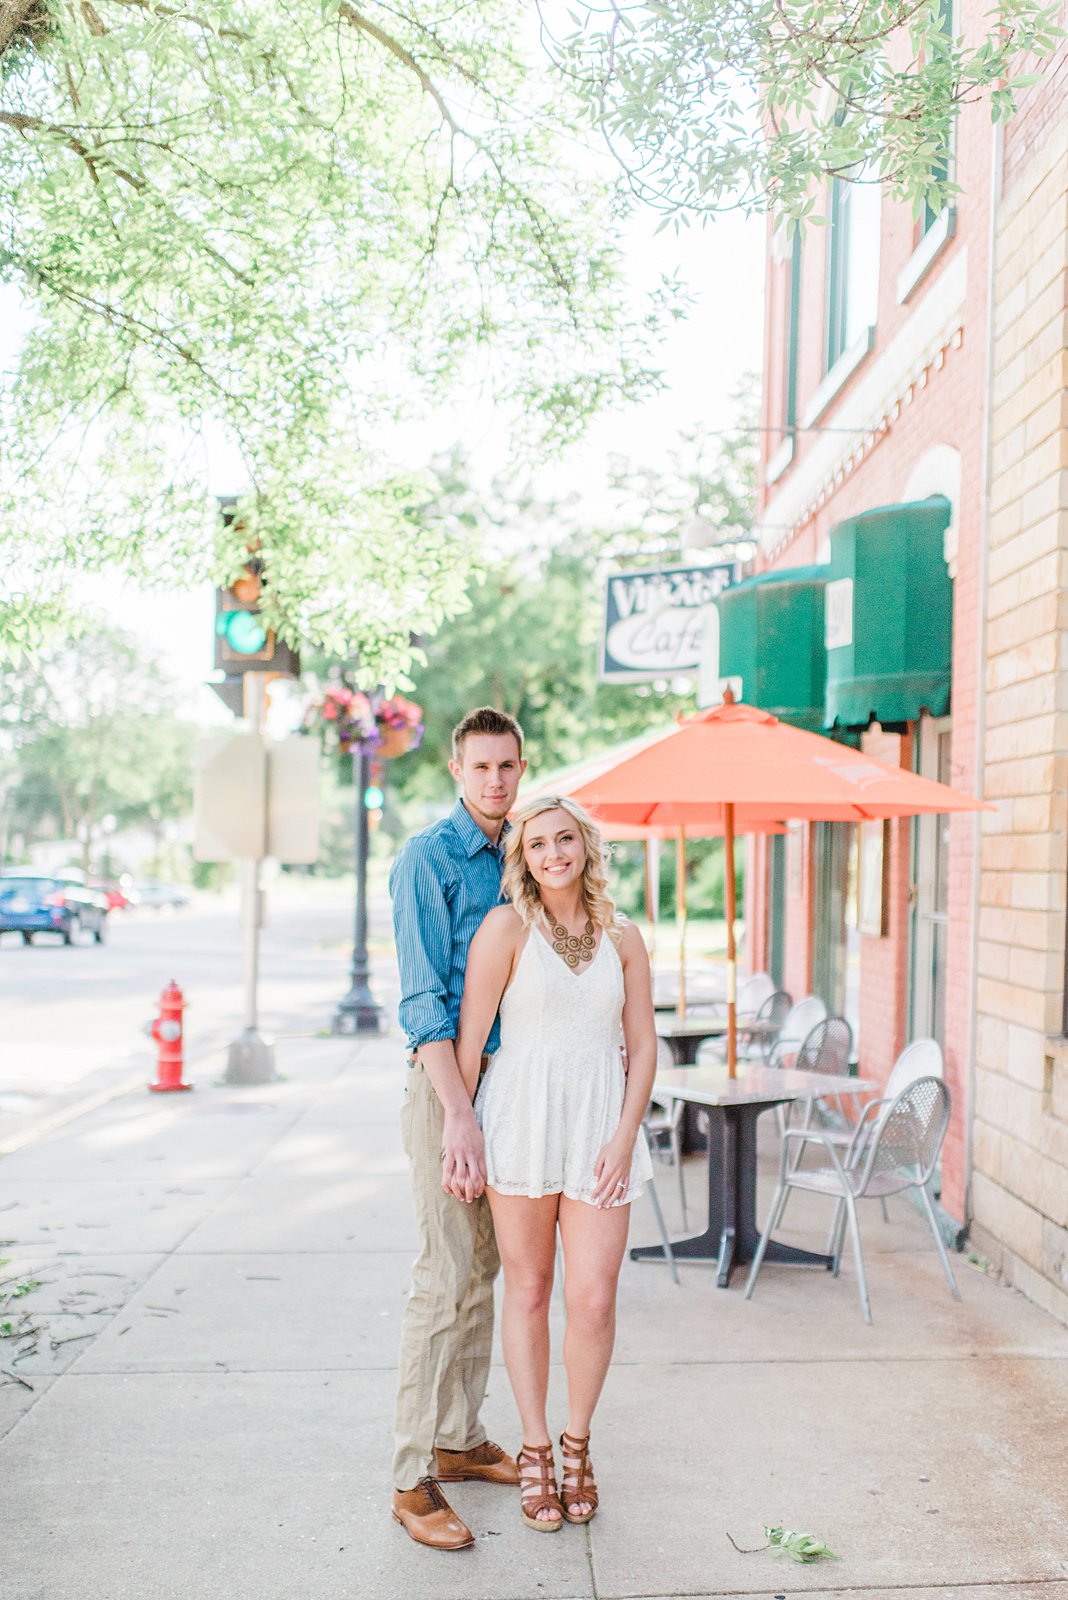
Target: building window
(852,264)
(931,215)
(784,384)
(793,319)
(836,945)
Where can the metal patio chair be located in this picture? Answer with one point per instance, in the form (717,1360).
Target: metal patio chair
(753,1045)
(900,1154)
(751,996)
(663,1124)
(797,1025)
(665,1237)
(826,1048)
(920,1059)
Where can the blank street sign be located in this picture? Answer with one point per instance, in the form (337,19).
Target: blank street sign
(256,797)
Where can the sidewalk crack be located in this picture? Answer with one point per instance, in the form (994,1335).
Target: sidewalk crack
(589,1562)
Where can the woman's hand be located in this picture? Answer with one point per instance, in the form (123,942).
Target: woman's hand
(611,1171)
(463,1156)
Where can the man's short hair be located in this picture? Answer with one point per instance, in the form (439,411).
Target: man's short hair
(485,719)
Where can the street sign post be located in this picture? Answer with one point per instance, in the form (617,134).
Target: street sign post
(254,797)
(358,1011)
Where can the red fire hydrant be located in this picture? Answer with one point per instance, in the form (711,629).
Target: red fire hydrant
(166,1029)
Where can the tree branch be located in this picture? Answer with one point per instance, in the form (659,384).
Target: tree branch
(22,124)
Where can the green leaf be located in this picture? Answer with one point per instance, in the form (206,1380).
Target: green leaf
(801,1547)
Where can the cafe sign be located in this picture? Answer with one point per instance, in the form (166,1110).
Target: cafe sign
(654,621)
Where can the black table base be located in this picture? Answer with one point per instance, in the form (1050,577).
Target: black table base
(732,1234)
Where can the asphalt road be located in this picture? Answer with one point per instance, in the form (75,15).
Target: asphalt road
(71,1018)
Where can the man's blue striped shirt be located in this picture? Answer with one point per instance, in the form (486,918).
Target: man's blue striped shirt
(443,883)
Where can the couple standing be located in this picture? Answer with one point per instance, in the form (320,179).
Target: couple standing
(519,984)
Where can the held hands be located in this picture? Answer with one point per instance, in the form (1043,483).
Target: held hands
(463,1156)
(612,1172)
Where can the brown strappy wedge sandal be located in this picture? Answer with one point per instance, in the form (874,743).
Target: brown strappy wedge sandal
(537,1488)
(578,1487)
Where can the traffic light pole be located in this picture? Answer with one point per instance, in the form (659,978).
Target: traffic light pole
(250,1058)
(358,1011)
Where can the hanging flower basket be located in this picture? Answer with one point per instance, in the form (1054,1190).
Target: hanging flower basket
(350,722)
(400,727)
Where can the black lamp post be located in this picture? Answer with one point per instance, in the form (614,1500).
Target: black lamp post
(358,1011)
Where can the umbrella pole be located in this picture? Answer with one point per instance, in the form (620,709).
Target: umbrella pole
(652,895)
(680,912)
(732,988)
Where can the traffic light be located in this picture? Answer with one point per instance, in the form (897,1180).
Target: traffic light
(374,797)
(243,641)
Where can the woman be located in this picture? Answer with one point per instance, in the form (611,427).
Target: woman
(562,1123)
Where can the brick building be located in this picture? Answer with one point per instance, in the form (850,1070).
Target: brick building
(1019,1194)
(912,531)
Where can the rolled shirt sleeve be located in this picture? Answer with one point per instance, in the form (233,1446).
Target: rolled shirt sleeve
(422,928)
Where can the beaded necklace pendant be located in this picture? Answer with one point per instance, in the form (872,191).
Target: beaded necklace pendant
(574,947)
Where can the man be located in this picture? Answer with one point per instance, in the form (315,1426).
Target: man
(443,883)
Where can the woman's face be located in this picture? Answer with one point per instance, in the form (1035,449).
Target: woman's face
(553,850)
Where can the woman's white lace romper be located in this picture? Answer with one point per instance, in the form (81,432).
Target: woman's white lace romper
(552,1095)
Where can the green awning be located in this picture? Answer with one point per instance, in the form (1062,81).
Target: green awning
(889,616)
(771,637)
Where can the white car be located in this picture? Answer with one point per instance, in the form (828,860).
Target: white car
(160,896)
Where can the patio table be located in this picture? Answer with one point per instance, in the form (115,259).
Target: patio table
(686,1034)
(734,1107)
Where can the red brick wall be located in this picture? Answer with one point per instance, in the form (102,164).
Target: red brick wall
(797,961)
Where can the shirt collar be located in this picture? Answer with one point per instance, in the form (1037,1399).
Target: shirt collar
(471,834)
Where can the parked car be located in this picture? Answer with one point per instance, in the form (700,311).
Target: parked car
(160,896)
(41,904)
(118,895)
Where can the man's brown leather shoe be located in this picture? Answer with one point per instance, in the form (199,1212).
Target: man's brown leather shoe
(484,1463)
(427,1517)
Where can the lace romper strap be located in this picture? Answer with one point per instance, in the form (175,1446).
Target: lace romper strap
(537,1488)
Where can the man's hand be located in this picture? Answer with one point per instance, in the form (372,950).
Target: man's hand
(463,1156)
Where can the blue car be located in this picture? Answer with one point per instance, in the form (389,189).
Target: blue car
(30,905)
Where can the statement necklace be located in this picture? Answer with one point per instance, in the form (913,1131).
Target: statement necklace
(574,948)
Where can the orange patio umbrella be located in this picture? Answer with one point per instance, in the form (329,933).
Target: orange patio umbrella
(569,779)
(743,768)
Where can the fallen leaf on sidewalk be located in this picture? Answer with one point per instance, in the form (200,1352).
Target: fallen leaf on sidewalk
(803,1547)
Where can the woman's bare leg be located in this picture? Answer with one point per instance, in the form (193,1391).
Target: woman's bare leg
(594,1242)
(526,1240)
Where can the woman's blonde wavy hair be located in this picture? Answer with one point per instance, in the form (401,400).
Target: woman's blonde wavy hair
(522,890)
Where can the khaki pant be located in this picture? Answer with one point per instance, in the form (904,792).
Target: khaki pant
(448,1321)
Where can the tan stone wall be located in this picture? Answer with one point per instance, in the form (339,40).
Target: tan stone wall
(1020,1129)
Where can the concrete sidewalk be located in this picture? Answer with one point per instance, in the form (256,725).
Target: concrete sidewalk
(212,1359)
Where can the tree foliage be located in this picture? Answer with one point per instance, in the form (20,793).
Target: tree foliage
(288,224)
(528,642)
(718,104)
(90,730)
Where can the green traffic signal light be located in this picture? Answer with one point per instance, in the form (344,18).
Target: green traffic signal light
(242,630)
(373,797)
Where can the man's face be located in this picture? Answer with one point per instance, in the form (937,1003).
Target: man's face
(488,774)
